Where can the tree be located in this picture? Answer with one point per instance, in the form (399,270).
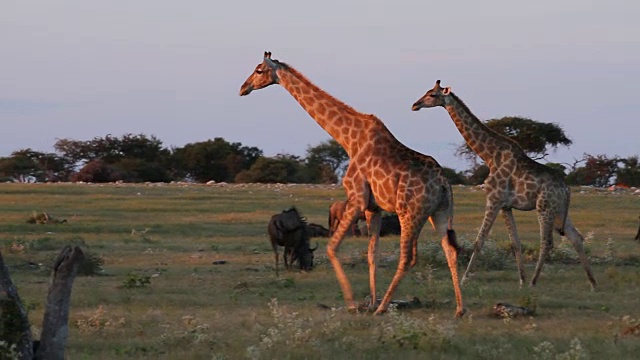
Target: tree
(598,170)
(535,138)
(283,168)
(454,177)
(98,171)
(215,159)
(328,154)
(41,166)
(629,173)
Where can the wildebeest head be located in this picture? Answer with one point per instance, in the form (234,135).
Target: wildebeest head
(305,255)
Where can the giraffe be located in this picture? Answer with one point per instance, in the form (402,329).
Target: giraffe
(382,174)
(515,181)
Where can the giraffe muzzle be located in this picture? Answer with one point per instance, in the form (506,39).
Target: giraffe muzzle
(246,90)
(417,106)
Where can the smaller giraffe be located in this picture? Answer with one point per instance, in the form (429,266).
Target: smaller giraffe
(515,181)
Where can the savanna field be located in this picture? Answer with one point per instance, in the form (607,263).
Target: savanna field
(180,271)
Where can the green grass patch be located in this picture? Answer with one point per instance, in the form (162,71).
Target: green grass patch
(178,271)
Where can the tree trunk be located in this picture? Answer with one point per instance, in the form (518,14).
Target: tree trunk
(14,323)
(55,326)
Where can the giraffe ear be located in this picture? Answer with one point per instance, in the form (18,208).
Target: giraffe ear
(267,54)
(446,91)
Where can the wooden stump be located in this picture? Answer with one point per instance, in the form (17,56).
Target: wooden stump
(15,323)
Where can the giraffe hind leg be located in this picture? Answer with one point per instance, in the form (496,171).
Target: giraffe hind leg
(578,243)
(404,264)
(546,243)
(373,224)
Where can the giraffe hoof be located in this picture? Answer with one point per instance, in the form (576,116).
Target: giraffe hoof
(380,311)
(352,309)
(460,313)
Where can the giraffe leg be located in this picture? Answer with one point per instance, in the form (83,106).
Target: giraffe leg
(351,212)
(404,264)
(515,239)
(546,242)
(449,244)
(489,217)
(578,243)
(373,224)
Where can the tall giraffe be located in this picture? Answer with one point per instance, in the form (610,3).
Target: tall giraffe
(515,181)
(382,174)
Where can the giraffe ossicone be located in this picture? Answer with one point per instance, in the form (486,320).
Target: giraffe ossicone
(382,174)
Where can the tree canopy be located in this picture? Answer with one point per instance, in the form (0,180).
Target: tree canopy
(534,137)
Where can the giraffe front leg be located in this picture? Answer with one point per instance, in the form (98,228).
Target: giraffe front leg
(489,217)
(351,212)
(545,219)
(515,239)
(578,243)
(373,224)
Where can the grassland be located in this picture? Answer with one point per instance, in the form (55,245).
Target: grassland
(160,295)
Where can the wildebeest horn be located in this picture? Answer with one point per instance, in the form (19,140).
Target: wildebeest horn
(314,249)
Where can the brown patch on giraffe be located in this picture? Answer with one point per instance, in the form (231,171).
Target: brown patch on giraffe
(321,108)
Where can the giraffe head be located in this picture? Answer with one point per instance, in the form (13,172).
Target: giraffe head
(437,96)
(263,76)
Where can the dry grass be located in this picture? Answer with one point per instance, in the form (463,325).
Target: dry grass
(192,308)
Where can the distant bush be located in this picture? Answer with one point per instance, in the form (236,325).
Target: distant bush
(97,171)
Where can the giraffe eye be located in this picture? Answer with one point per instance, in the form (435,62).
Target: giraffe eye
(258,71)
(433,95)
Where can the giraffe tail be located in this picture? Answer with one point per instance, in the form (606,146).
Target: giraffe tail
(561,219)
(452,238)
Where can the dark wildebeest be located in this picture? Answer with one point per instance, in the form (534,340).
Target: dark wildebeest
(317,230)
(290,229)
(335,214)
(389,225)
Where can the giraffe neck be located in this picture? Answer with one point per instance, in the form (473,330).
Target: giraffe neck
(480,138)
(340,120)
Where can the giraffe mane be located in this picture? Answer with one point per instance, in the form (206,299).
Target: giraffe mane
(485,127)
(343,106)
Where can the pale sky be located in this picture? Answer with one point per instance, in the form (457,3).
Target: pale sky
(79,69)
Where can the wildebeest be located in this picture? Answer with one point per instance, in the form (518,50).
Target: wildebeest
(389,225)
(317,230)
(290,229)
(335,214)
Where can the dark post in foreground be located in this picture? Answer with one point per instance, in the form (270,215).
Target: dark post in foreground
(54,326)
(14,324)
